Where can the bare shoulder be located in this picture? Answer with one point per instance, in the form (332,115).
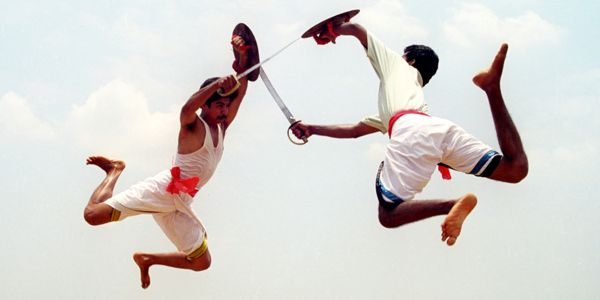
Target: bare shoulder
(194,128)
(191,137)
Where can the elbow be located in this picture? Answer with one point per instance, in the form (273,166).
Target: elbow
(185,110)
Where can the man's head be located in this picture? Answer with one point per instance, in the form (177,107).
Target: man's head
(423,59)
(216,108)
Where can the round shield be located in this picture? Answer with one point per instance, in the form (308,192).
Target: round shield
(244,31)
(335,20)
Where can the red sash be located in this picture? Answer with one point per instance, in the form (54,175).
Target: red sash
(185,185)
(443,169)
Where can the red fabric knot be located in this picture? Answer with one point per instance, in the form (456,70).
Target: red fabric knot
(320,40)
(445,171)
(185,185)
(330,30)
(323,41)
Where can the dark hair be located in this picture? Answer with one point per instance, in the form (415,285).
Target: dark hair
(426,61)
(215,96)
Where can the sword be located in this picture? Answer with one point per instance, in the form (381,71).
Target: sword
(256,66)
(286,112)
(245,73)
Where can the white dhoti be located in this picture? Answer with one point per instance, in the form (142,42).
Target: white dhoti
(418,143)
(172,212)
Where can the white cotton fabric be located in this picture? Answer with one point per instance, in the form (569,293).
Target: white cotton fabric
(174,213)
(400,86)
(418,143)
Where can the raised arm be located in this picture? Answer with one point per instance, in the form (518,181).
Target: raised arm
(235,103)
(341,131)
(188,111)
(353,29)
(239,65)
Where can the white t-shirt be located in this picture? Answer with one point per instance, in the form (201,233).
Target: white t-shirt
(400,86)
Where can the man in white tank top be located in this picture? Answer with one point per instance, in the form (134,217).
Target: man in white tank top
(418,142)
(169,194)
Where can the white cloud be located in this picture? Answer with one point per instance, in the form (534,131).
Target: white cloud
(17,119)
(391,18)
(116,121)
(472,23)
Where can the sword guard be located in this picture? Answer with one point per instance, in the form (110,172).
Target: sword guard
(224,93)
(295,141)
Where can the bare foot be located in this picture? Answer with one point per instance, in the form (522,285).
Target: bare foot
(489,79)
(106,164)
(456,217)
(143,262)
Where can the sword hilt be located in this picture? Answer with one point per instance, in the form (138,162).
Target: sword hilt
(224,93)
(295,142)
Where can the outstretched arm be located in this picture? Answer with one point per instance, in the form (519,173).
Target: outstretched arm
(344,131)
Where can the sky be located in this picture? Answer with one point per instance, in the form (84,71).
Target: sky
(81,78)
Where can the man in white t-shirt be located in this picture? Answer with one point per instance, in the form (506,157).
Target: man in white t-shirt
(418,142)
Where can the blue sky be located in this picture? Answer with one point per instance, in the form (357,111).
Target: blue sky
(80,78)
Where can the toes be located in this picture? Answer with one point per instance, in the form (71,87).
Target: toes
(444,232)
(451,240)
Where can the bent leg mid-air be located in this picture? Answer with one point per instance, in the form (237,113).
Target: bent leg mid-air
(96,212)
(175,260)
(514,165)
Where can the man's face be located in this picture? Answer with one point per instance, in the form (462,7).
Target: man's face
(217,111)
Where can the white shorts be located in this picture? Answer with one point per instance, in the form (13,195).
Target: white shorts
(418,143)
(150,197)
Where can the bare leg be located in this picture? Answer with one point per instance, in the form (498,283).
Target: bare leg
(175,260)
(96,212)
(453,223)
(514,166)
(414,210)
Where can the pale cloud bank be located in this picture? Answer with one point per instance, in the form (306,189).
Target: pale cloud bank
(392,19)
(115,120)
(472,23)
(18,119)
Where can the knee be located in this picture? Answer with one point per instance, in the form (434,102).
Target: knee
(92,217)
(201,263)
(385,219)
(520,170)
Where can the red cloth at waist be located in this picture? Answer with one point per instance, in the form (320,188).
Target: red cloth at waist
(399,114)
(185,185)
(443,169)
